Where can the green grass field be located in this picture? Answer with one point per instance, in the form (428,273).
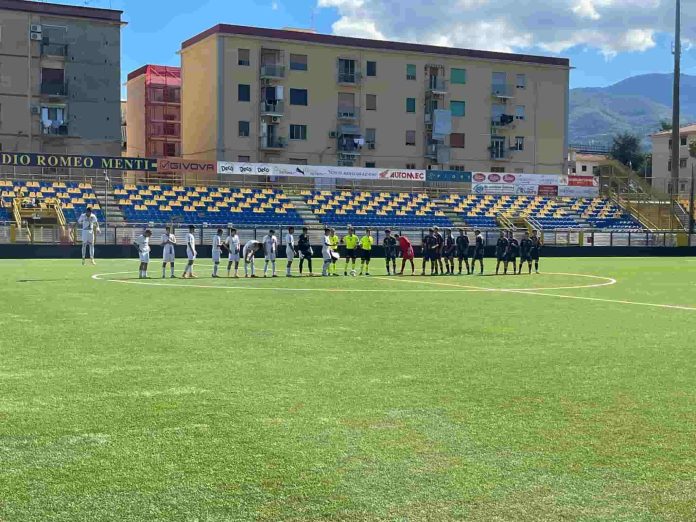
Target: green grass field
(477,398)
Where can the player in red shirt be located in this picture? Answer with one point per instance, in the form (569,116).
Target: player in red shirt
(406,253)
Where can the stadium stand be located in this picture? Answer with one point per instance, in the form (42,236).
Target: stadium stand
(378,209)
(74,197)
(479,211)
(196,205)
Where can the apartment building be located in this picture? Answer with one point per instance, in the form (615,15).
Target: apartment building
(662,159)
(289,96)
(60,71)
(154,112)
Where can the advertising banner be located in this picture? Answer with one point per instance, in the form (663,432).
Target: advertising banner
(547,190)
(526,190)
(319,171)
(450,176)
(583,181)
(578,192)
(184,166)
(519,178)
(257,169)
(493,188)
(71,161)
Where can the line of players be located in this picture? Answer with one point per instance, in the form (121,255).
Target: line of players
(440,251)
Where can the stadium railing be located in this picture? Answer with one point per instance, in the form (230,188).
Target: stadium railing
(125,234)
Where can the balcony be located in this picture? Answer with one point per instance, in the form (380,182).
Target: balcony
(54,89)
(348,149)
(272,143)
(349,78)
(504,120)
(438,152)
(348,113)
(54,50)
(272,108)
(504,91)
(435,85)
(276,71)
(54,130)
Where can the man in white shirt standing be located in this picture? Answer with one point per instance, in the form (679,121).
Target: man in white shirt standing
(89,225)
(142,242)
(190,253)
(289,250)
(233,245)
(270,247)
(326,253)
(217,250)
(168,254)
(249,253)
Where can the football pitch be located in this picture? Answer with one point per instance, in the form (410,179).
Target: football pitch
(567,395)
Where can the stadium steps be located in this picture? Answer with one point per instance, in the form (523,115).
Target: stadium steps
(456,219)
(303,210)
(653,215)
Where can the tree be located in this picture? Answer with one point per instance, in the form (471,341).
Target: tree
(665,125)
(626,149)
(692,148)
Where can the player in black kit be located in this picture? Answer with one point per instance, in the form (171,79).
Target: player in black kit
(389,244)
(501,251)
(448,251)
(437,252)
(304,248)
(536,247)
(525,252)
(428,242)
(462,244)
(479,251)
(512,253)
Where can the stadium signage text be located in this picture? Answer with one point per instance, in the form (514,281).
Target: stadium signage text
(452,176)
(179,165)
(31,159)
(318,171)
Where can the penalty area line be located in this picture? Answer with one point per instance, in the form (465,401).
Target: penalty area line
(604,300)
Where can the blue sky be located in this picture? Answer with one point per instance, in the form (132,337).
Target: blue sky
(604,45)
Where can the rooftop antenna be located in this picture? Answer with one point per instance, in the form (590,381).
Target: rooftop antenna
(675,103)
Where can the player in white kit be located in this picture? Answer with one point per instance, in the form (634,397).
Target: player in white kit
(190,253)
(217,251)
(142,242)
(234,246)
(168,254)
(89,225)
(289,250)
(249,253)
(270,248)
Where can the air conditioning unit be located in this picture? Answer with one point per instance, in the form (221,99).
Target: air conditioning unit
(35,109)
(36,37)
(371,146)
(35,28)
(333,134)
(275,119)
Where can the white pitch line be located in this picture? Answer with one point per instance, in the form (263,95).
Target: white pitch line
(603,300)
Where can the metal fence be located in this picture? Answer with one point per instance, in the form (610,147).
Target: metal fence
(126,234)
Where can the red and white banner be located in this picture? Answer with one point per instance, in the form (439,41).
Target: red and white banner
(547,190)
(548,185)
(583,181)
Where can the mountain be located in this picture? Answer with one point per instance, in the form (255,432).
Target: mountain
(637,104)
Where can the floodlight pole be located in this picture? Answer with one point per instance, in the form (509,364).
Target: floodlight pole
(675,104)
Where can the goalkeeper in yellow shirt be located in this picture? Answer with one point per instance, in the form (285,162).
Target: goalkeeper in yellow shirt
(351,248)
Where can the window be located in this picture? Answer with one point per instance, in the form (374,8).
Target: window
(682,141)
(298,96)
(372,68)
(497,147)
(298,132)
(243,129)
(519,171)
(298,161)
(519,112)
(370,138)
(458,168)
(243,57)
(458,108)
(410,71)
(244,159)
(410,137)
(521,81)
(682,163)
(298,62)
(497,169)
(371,102)
(519,143)
(457,140)
(243,92)
(347,71)
(410,105)
(584,168)
(669,165)
(370,164)
(499,78)
(170,150)
(458,75)
(410,166)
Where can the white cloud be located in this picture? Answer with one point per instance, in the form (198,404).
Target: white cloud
(275,6)
(609,26)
